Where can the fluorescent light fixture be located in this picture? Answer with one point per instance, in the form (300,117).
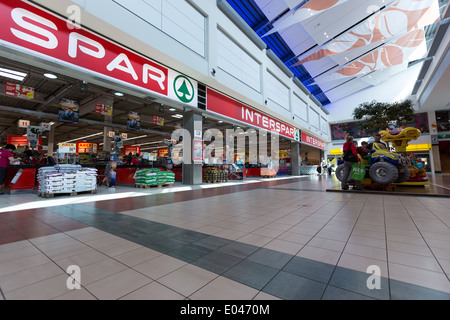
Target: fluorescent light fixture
(81,138)
(178,116)
(119,94)
(220,121)
(147,143)
(172,109)
(50,76)
(134,138)
(12,74)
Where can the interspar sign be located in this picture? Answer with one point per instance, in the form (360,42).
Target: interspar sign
(313,141)
(36,31)
(223,105)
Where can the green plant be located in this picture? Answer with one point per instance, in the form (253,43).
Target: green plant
(382,115)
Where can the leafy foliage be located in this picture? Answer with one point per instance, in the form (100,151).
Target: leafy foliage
(381,115)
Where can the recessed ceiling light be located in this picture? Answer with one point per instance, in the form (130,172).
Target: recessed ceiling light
(119,94)
(220,121)
(172,109)
(50,76)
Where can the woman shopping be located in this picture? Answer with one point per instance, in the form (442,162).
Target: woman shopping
(350,157)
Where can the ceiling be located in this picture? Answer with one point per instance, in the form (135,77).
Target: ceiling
(44,107)
(357,44)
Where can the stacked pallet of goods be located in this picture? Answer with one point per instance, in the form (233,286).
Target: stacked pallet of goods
(147,178)
(268,173)
(214,175)
(66,179)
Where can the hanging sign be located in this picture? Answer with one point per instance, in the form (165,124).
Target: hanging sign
(87,147)
(132,149)
(134,121)
(23,123)
(21,141)
(68,111)
(17,90)
(158,121)
(103,109)
(67,147)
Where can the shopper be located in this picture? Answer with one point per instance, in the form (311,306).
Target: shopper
(330,168)
(349,149)
(6,157)
(28,157)
(363,150)
(377,140)
(135,160)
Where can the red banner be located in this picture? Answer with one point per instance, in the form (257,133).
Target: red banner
(221,104)
(21,141)
(313,141)
(37,30)
(132,149)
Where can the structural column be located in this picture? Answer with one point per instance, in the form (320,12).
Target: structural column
(106,138)
(51,140)
(295,156)
(192,169)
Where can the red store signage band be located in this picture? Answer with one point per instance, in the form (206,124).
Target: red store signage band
(223,105)
(313,141)
(25,26)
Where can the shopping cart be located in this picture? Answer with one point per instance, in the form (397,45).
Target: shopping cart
(235,173)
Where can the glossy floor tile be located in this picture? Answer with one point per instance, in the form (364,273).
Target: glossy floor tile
(285,239)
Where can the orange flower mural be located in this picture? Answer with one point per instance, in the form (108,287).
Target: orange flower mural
(400,18)
(393,54)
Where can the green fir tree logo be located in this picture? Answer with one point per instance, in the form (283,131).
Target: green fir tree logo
(184,89)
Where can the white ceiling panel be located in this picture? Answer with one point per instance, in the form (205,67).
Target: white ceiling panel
(271,8)
(346,89)
(297,39)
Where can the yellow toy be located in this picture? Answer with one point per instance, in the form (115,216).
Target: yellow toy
(400,137)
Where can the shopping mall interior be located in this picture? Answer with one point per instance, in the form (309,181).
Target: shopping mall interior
(195,151)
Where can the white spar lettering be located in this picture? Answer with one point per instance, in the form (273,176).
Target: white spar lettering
(75,37)
(18,15)
(49,40)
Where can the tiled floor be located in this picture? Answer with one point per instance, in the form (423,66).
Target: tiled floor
(283,239)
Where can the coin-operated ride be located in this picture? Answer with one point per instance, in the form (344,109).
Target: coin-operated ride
(400,139)
(383,167)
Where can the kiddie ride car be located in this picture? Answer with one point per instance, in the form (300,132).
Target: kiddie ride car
(384,168)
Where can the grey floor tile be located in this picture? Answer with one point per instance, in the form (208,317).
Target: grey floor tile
(251,274)
(189,253)
(237,249)
(288,286)
(310,269)
(190,236)
(406,291)
(213,242)
(333,293)
(270,258)
(217,262)
(167,245)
